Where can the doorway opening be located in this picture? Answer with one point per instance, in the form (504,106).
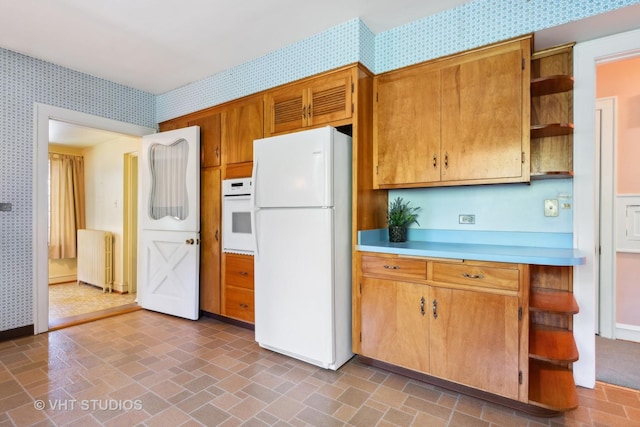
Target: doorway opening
(109,200)
(103,192)
(618,322)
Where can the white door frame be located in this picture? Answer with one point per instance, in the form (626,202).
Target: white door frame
(42,113)
(585,57)
(130,226)
(606,110)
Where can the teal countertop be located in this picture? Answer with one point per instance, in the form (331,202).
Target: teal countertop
(514,247)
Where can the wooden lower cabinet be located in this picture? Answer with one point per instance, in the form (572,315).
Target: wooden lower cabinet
(210,239)
(466,325)
(396,330)
(474,339)
(237,288)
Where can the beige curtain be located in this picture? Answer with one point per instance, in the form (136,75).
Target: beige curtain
(67,204)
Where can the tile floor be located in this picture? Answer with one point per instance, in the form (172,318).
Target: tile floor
(148,369)
(73,298)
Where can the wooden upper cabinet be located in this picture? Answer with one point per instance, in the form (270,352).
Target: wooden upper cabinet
(407,127)
(313,102)
(485,105)
(242,122)
(172,125)
(459,120)
(210,139)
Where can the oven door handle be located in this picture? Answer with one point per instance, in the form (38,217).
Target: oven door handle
(252,206)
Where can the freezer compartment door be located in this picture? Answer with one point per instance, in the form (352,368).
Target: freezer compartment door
(294,169)
(294,277)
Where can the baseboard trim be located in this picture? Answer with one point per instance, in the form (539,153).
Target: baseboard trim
(225,319)
(10,334)
(627,332)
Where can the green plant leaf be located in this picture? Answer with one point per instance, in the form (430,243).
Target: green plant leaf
(401,214)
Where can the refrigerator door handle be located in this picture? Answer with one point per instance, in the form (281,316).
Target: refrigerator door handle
(252,206)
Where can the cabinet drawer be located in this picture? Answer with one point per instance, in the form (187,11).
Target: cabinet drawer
(395,267)
(238,303)
(238,271)
(488,276)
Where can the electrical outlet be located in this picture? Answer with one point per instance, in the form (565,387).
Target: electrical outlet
(466,219)
(551,207)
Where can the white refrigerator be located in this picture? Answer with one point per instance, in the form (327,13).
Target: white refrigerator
(302,225)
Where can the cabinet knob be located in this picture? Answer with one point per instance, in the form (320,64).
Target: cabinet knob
(190,241)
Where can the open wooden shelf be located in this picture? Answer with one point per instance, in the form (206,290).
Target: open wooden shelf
(551,175)
(548,85)
(551,129)
(553,302)
(552,386)
(552,344)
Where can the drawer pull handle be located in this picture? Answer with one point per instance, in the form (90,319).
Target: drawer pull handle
(472,276)
(435,309)
(392,267)
(422,301)
(244,273)
(243,305)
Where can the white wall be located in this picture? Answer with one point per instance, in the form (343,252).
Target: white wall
(104,171)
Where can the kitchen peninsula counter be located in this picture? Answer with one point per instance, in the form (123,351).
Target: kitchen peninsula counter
(512,247)
(417,307)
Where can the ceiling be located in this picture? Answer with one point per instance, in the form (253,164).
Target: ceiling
(73,135)
(157,46)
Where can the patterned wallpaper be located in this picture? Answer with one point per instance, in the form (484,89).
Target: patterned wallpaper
(23,81)
(333,48)
(479,23)
(26,80)
(467,26)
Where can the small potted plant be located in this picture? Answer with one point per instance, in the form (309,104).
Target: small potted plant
(400,216)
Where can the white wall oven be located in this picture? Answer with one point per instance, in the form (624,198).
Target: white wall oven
(237,236)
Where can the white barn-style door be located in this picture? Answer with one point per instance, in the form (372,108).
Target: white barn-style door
(168,276)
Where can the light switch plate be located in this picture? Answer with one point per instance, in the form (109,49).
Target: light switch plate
(551,207)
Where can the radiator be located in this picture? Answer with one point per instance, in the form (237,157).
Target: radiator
(95,258)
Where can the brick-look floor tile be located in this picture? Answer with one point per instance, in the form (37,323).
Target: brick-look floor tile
(213,373)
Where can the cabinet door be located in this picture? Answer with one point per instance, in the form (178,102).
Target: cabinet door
(242,123)
(407,127)
(210,214)
(287,109)
(238,296)
(483,115)
(474,339)
(394,326)
(329,98)
(210,139)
